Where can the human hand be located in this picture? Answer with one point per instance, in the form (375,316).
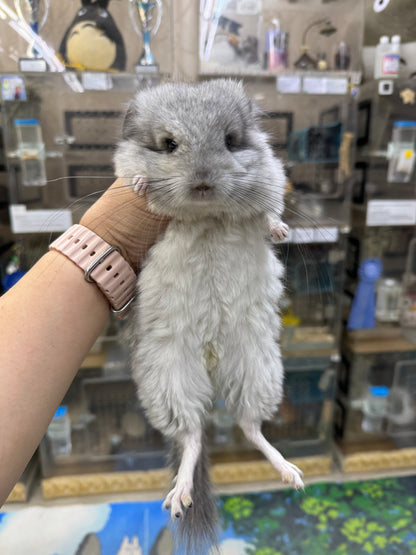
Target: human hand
(121,217)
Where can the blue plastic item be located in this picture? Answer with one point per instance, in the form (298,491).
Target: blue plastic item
(405,123)
(61,411)
(362,314)
(26,121)
(379,390)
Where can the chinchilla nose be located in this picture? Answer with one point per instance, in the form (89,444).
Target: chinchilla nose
(202,175)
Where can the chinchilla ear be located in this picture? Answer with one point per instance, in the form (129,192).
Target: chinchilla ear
(129,128)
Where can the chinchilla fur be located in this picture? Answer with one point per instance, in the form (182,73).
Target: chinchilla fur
(206,322)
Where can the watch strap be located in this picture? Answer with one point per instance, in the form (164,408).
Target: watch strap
(102,264)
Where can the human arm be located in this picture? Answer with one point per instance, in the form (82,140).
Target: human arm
(49,321)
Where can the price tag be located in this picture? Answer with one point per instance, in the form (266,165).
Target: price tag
(38,221)
(337,85)
(304,235)
(248,7)
(289,84)
(314,85)
(314,235)
(96,81)
(391,212)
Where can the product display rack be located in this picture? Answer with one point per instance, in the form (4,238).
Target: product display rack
(382,229)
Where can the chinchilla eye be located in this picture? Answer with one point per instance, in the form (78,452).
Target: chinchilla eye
(170,145)
(231,141)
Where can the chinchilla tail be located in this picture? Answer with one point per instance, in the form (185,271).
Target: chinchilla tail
(196,531)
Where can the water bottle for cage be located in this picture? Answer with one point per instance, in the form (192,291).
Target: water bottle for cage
(375,409)
(223,423)
(388,295)
(59,432)
(31,151)
(402,151)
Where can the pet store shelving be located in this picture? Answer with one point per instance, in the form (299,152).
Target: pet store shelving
(378,371)
(282,38)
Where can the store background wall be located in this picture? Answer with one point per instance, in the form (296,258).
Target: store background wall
(398,18)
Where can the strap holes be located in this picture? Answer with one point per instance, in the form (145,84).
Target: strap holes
(116,275)
(84,247)
(92,253)
(108,268)
(77,241)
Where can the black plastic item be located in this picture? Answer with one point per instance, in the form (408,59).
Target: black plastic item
(318,144)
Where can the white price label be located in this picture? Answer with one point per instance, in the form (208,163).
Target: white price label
(391,212)
(325,85)
(249,7)
(337,85)
(314,235)
(289,84)
(314,85)
(96,81)
(38,221)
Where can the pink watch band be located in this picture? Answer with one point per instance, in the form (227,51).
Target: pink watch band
(102,264)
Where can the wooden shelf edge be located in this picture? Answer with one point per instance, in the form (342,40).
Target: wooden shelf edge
(369,461)
(222,473)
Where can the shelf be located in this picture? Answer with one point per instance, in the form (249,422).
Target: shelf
(370,458)
(222,473)
(378,340)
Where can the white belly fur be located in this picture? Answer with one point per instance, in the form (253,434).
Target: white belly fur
(207,312)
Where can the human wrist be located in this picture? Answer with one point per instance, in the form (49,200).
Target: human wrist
(101,263)
(111,236)
(109,218)
(121,217)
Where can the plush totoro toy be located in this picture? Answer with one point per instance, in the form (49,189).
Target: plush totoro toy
(93,41)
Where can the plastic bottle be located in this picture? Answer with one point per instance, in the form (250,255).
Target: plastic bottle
(382,49)
(342,56)
(223,423)
(388,295)
(391,59)
(276,47)
(375,409)
(402,152)
(59,432)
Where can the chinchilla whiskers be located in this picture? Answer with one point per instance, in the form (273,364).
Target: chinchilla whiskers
(310,221)
(267,200)
(63,177)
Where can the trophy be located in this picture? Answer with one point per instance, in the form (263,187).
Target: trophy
(34,13)
(149,25)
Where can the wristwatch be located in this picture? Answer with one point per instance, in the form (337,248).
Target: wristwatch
(102,264)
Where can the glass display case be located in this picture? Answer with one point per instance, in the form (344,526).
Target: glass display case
(75,124)
(375,409)
(379,347)
(383,201)
(269,37)
(100,426)
(386,144)
(311,308)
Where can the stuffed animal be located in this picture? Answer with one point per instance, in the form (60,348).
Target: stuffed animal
(93,41)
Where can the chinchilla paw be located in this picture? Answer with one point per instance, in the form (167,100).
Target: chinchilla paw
(140,185)
(279,231)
